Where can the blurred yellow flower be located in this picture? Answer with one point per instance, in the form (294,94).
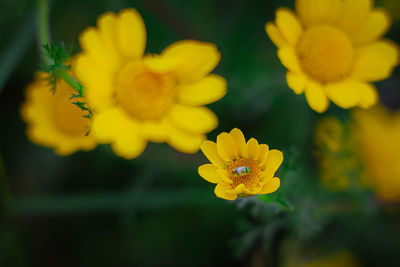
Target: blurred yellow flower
(338,259)
(333,51)
(139,98)
(239,168)
(53,121)
(377,132)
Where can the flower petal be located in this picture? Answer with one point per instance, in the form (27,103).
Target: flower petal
(351,93)
(131,34)
(376,25)
(352,14)
(241,141)
(288,25)
(264,150)
(296,82)
(209,150)
(316,97)
(193,119)
(188,60)
(375,62)
(156,131)
(209,173)
(183,141)
(276,36)
(107,25)
(274,160)
(289,59)
(207,90)
(221,191)
(97,82)
(129,147)
(253,149)
(227,147)
(223,174)
(313,12)
(271,186)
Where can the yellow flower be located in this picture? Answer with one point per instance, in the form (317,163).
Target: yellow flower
(239,168)
(139,98)
(53,121)
(377,132)
(333,51)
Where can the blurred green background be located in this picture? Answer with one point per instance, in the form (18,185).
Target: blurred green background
(95,209)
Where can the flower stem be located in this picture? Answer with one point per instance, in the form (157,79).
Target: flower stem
(43,27)
(62,73)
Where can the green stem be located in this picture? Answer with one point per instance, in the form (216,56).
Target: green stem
(62,73)
(43,24)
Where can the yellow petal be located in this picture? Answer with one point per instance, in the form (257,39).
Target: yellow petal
(97,82)
(221,191)
(224,176)
(271,186)
(352,14)
(241,141)
(183,141)
(351,93)
(98,50)
(264,149)
(253,149)
(376,25)
(107,25)
(209,173)
(156,131)
(288,25)
(275,35)
(193,119)
(108,126)
(316,97)
(210,151)
(188,60)
(296,82)
(131,34)
(129,147)
(289,59)
(227,147)
(207,90)
(314,12)
(375,62)
(274,160)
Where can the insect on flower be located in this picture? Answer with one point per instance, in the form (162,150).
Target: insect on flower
(240,171)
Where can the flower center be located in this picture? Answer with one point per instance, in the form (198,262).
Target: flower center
(325,54)
(68,117)
(250,179)
(143,94)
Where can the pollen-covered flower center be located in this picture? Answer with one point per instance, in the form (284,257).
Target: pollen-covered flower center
(325,54)
(250,178)
(143,94)
(68,118)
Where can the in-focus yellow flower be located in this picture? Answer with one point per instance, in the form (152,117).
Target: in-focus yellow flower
(333,51)
(377,132)
(53,121)
(239,168)
(139,98)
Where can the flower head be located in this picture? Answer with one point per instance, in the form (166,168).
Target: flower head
(333,51)
(239,168)
(138,98)
(53,121)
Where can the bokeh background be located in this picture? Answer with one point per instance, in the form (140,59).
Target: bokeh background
(96,209)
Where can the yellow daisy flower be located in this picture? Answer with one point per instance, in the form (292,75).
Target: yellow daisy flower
(333,51)
(139,98)
(239,168)
(377,133)
(53,121)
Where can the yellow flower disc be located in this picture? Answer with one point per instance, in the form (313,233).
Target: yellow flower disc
(325,54)
(143,94)
(250,180)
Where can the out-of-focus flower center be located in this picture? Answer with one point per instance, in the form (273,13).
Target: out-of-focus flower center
(325,54)
(143,94)
(250,180)
(68,117)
